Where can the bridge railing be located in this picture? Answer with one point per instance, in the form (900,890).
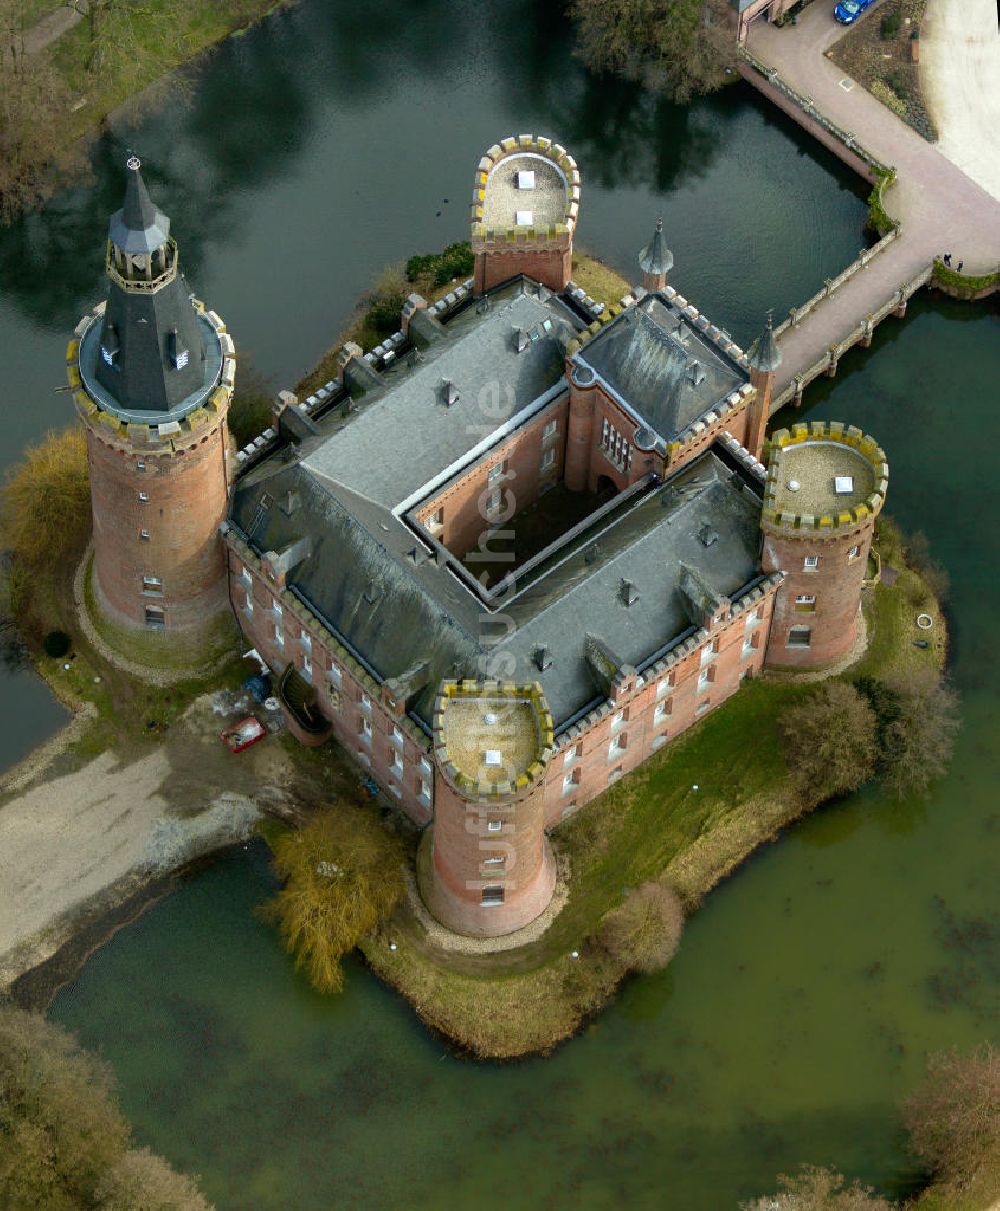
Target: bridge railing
(827,363)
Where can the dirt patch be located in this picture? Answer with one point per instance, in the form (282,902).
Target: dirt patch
(878,53)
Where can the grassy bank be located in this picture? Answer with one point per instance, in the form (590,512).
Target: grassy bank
(651,825)
(377,314)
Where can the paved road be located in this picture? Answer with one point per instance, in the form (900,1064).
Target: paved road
(940,208)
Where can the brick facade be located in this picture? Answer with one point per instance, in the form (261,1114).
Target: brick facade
(158,558)
(510,478)
(553,267)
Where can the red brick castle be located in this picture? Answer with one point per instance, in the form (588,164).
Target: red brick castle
(509,553)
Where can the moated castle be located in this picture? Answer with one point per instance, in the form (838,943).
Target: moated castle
(503,557)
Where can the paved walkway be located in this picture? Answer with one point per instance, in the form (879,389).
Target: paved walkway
(53,25)
(940,208)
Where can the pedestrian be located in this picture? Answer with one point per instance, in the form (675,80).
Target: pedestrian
(947,259)
(960,266)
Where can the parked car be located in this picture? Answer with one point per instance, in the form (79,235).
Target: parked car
(848,11)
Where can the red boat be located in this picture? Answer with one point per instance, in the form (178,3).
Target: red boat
(239,736)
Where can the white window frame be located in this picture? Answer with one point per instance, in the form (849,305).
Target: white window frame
(854,553)
(335,675)
(152,585)
(664,686)
(548,459)
(365,703)
(550,430)
(496,472)
(494,826)
(810,563)
(143,498)
(617,746)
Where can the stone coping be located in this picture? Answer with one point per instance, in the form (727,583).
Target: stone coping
(559,233)
(822,434)
(523,748)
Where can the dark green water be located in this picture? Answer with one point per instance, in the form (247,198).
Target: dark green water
(807,991)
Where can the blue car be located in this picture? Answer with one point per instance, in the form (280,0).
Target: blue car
(848,11)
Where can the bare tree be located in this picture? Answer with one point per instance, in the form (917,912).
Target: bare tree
(819,1190)
(645,931)
(830,739)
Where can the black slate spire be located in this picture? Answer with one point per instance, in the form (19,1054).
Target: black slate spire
(140,226)
(656,258)
(764,354)
(152,356)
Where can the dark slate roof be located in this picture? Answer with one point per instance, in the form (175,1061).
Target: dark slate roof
(394,614)
(656,257)
(139,227)
(143,377)
(466,385)
(764,353)
(660,366)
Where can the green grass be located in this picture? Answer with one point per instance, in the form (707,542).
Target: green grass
(200,24)
(650,825)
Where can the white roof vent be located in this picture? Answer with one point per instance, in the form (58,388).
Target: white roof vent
(843,485)
(524,179)
(524,218)
(794,485)
(489,719)
(494,757)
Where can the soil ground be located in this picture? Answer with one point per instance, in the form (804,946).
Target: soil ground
(884,64)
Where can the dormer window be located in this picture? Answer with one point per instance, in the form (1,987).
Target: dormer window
(179,356)
(110,347)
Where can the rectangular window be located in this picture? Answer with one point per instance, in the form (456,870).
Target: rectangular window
(799,637)
(663,687)
(425,765)
(705,678)
(550,430)
(144,535)
(572,754)
(335,676)
(707,654)
(659,741)
(570,782)
(397,736)
(749,647)
(617,746)
(805,601)
(366,729)
(279,635)
(365,702)
(152,584)
(155,618)
(424,788)
(605,433)
(435,523)
(395,790)
(618,721)
(615,774)
(493,501)
(307,669)
(662,712)
(244,574)
(140,465)
(305,639)
(492,897)
(495,472)
(753,618)
(548,459)
(497,862)
(703,706)
(494,826)
(144,498)
(248,603)
(853,554)
(397,763)
(810,563)
(276,609)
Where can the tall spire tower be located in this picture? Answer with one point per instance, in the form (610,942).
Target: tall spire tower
(656,260)
(153,374)
(764,358)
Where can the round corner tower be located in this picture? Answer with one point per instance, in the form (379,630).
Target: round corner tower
(826,485)
(525,205)
(492,870)
(153,373)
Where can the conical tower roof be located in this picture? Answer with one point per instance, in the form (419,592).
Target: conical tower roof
(140,226)
(764,354)
(656,257)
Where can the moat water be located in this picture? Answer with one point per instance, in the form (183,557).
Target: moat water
(811,985)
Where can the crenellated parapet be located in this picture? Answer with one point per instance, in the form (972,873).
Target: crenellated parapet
(492,739)
(154,437)
(823,477)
